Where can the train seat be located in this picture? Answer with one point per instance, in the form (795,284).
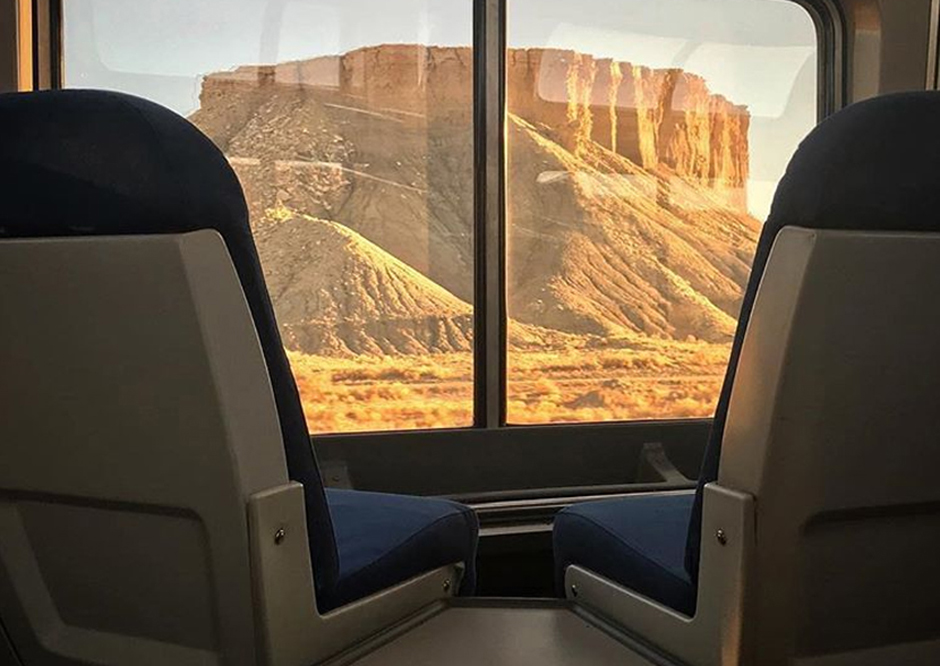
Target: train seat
(158,491)
(637,541)
(812,536)
(384,539)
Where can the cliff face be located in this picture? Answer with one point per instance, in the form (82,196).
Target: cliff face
(653,117)
(625,201)
(420,83)
(649,116)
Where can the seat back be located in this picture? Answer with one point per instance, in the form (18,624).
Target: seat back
(833,428)
(870,167)
(138,419)
(89,163)
(149,422)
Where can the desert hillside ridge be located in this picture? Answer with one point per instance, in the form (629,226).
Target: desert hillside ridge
(650,116)
(609,239)
(366,301)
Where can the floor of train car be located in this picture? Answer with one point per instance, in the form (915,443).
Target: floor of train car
(477,632)
(517,564)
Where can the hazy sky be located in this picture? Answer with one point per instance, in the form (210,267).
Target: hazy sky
(756,52)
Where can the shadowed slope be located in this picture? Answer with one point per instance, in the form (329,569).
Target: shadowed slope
(339,294)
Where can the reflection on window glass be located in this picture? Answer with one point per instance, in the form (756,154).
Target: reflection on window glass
(350,128)
(645,142)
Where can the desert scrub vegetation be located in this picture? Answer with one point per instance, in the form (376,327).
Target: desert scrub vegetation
(647,379)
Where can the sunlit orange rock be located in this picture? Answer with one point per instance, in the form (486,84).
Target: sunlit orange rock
(650,116)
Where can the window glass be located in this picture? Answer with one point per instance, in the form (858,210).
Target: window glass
(350,128)
(645,141)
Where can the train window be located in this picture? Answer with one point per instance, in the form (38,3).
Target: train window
(645,141)
(350,127)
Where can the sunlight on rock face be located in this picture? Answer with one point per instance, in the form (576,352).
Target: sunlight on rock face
(628,238)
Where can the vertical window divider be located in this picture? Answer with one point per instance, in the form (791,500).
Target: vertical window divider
(489,120)
(21,13)
(933,52)
(47,42)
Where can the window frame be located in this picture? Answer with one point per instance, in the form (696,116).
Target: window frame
(543,464)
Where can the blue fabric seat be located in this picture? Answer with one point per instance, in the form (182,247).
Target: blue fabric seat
(871,166)
(638,542)
(94,163)
(385,539)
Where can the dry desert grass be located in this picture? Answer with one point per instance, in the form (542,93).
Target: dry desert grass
(636,378)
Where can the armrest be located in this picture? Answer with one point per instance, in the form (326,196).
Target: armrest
(713,634)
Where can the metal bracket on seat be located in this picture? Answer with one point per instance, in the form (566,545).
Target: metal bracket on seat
(292,631)
(713,636)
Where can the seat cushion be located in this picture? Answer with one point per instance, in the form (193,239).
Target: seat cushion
(637,542)
(383,540)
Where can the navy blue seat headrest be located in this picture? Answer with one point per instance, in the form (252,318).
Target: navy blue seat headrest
(873,166)
(90,163)
(93,163)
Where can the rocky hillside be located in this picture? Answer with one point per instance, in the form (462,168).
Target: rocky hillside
(355,298)
(602,246)
(626,196)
